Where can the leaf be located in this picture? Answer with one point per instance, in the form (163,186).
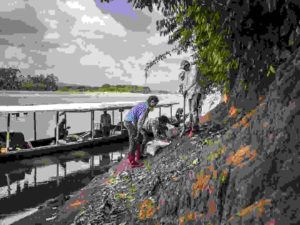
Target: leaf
(195,161)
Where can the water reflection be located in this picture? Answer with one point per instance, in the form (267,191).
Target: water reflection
(28,183)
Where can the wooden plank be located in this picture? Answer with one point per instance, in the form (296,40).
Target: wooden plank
(8,184)
(57,128)
(121,112)
(75,107)
(113,117)
(93,123)
(8,131)
(34,126)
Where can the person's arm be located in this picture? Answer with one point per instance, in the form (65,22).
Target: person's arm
(154,127)
(142,121)
(181,80)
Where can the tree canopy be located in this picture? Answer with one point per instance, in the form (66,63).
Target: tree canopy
(12,79)
(249,36)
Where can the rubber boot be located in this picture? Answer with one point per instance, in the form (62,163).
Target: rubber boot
(142,150)
(191,133)
(132,161)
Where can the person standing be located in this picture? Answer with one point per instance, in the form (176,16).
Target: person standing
(105,123)
(63,129)
(134,121)
(190,88)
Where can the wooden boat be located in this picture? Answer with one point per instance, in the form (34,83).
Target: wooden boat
(50,145)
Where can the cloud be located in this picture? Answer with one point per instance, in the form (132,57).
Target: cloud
(15,57)
(75,5)
(157,39)
(95,57)
(91,20)
(10,26)
(68,49)
(14,53)
(54,35)
(109,44)
(134,68)
(52,23)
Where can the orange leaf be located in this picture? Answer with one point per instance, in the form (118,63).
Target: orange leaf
(210,168)
(244,121)
(77,203)
(206,118)
(181,220)
(233,111)
(215,174)
(190,216)
(226,98)
(271,222)
(261,98)
(212,207)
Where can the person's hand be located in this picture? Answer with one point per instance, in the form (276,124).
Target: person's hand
(136,138)
(185,93)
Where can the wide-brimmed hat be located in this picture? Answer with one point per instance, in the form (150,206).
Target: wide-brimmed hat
(184,63)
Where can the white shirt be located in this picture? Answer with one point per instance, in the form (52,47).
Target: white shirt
(190,77)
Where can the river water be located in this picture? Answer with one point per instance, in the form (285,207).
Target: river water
(49,176)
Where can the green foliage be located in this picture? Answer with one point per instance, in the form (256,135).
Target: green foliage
(271,71)
(213,56)
(27,86)
(215,155)
(147,165)
(223,178)
(132,189)
(208,142)
(106,88)
(12,79)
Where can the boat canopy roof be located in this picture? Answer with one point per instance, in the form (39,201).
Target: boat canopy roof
(75,107)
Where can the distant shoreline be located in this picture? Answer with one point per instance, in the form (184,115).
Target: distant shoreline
(82,92)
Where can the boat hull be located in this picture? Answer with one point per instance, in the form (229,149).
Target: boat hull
(49,149)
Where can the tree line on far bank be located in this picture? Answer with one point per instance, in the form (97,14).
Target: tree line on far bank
(106,88)
(12,79)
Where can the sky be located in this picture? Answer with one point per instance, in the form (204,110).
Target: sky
(85,42)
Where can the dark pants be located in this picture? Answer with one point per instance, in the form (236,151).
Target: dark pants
(195,108)
(132,134)
(145,137)
(105,131)
(144,141)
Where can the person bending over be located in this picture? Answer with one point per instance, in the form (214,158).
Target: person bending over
(156,126)
(134,121)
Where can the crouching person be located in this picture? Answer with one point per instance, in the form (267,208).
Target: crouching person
(134,121)
(156,126)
